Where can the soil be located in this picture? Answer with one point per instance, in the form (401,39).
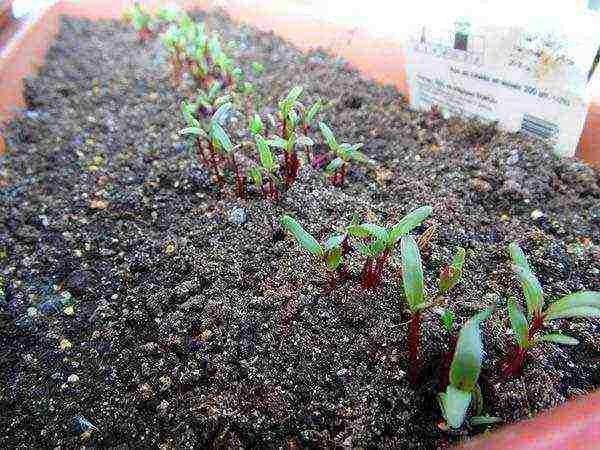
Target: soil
(195,323)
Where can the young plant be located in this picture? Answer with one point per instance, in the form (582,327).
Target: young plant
(381,243)
(414,291)
(140,20)
(463,389)
(526,327)
(330,253)
(268,166)
(345,155)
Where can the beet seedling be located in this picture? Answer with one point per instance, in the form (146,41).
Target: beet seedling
(525,327)
(463,389)
(330,253)
(140,20)
(345,155)
(414,291)
(381,243)
(268,166)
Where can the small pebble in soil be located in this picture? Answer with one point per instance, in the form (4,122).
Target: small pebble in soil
(536,214)
(238,216)
(73,379)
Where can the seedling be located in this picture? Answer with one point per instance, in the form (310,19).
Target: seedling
(418,302)
(212,142)
(526,327)
(140,20)
(381,243)
(463,389)
(330,253)
(268,166)
(345,155)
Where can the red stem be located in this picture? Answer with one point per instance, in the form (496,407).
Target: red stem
(414,336)
(239,181)
(513,364)
(444,376)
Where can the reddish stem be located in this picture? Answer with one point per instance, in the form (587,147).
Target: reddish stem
(239,181)
(513,364)
(366,275)
(414,336)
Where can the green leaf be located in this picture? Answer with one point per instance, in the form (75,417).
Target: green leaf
(193,131)
(577,311)
(334,241)
(357,231)
(294,94)
(558,339)
(468,356)
(214,89)
(256,125)
(304,140)
(278,142)
(412,220)
(222,100)
(364,249)
(219,134)
(575,300)
(518,257)
(256,176)
(334,165)
(333,258)
(447,319)
(451,275)
(265,155)
(484,420)
(454,404)
(532,291)
(303,238)
(370,229)
(412,272)
(359,157)
(377,247)
(220,113)
(328,136)
(518,323)
(312,112)
(257,68)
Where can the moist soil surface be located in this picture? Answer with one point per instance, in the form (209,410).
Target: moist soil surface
(170,314)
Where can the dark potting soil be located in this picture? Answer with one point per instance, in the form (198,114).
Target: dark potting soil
(196,324)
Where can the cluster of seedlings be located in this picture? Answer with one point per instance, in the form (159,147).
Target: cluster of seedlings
(460,368)
(281,143)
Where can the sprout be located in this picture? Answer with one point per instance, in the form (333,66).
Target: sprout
(526,327)
(257,68)
(464,374)
(330,253)
(345,155)
(380,243)
(268,166)
(140,20)
(414,291)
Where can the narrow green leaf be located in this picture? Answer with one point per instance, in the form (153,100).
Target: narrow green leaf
(256,176)
(294,94)
(518,322)
(256,125)
(558,339)
(278,142)
(257,68)
(333,258)
(222,100)
(518,257)
(484,420)
(219,134)
(328,136)
(313,111)
(532,291)
(577,311)
(447,319)
(454,404)
(359,157)
(220,113)
(333,166)
(265,155)
(305,140)
(193,131)
(334,241)
(468,356)
(214,89)
(576,299)
(412,220)
(303,238)
(412,272)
